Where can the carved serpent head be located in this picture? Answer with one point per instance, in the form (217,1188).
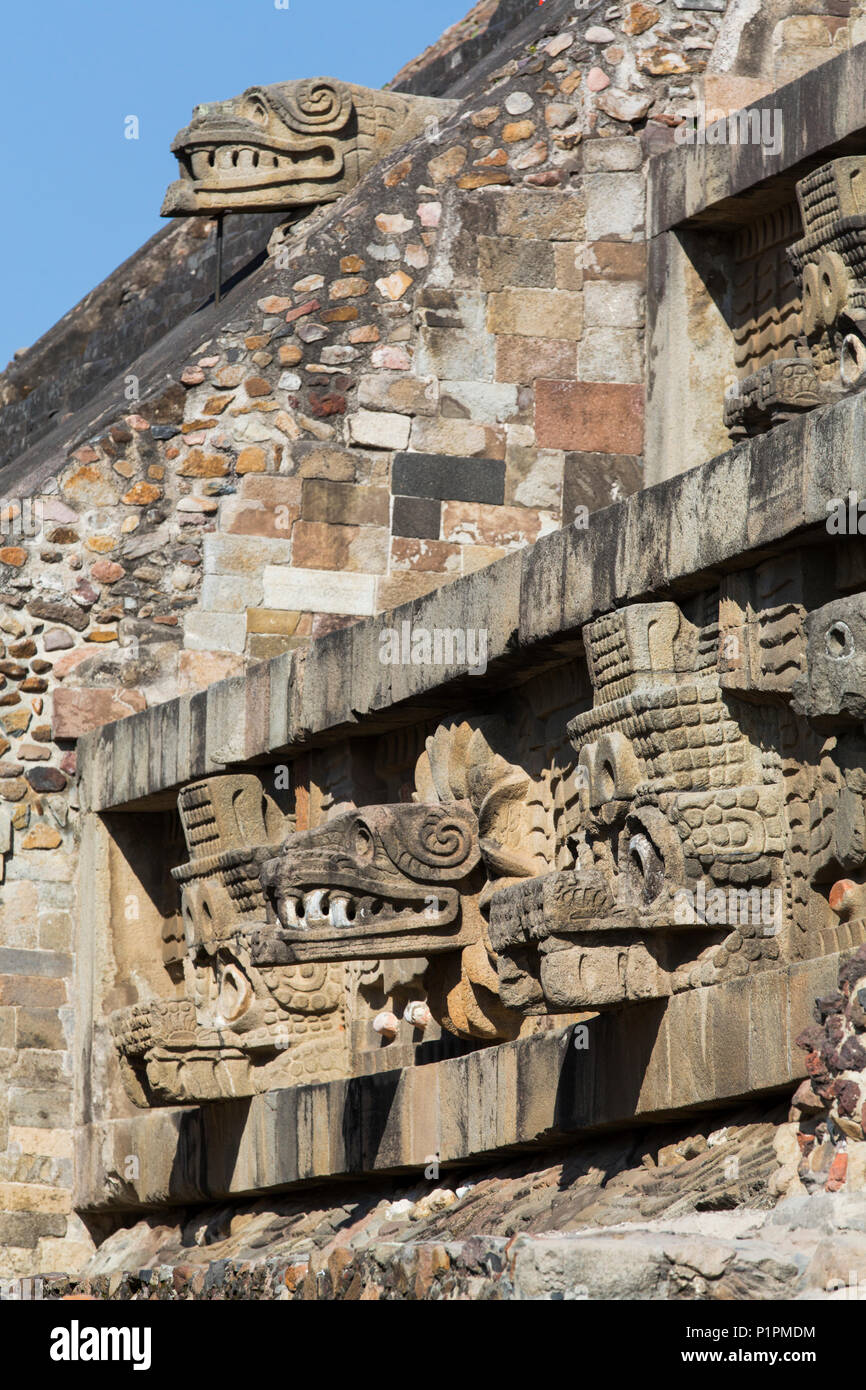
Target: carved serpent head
(290,144)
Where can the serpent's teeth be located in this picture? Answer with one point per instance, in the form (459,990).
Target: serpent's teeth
(289,912)
(313,908)
(338,913)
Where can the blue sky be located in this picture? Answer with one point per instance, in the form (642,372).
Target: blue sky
(78,197)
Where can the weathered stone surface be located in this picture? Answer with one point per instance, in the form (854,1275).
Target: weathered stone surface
(400,394)
(509,261)
(59,611)
(587,1101)
(88,486)
(452,435)
(339,547)
(493,336)
(515,131)
(76,712)
(321,591)
(525,359)
(535,313)
(595,418)
(350,287)
(626,107)
(241,555)
(639,17)
(223,593)
(460,479)
(16,721)
(615,205)
(43,836)
(496,526)
(40,1028)
(198,669)
(322,461)
(612,354)
(616,154)
(593,480)
(417,516)
(552,217)
(345,504)
(215,632)
(380,429)
(293,113)
(200,465)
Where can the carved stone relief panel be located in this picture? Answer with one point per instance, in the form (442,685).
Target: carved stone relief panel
(237,1029)
(800,301)
(414,879)
(776,378)
(677,810)
(684,808)
(292,144)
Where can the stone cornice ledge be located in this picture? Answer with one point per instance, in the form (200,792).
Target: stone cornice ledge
(665,540)
(824,107)
(701,1048)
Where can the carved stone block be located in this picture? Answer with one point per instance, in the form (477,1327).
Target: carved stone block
(292,144)
(238,1029)
(801,341)
(688,827)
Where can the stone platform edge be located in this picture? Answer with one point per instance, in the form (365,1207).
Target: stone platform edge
(646,1062)
(822,109)
(665,540)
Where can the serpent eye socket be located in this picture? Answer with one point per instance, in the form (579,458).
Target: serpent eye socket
(363,840)
(254,109)
(606,781)
(839,642)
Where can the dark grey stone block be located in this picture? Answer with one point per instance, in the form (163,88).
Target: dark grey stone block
(451,479)
(417,516)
